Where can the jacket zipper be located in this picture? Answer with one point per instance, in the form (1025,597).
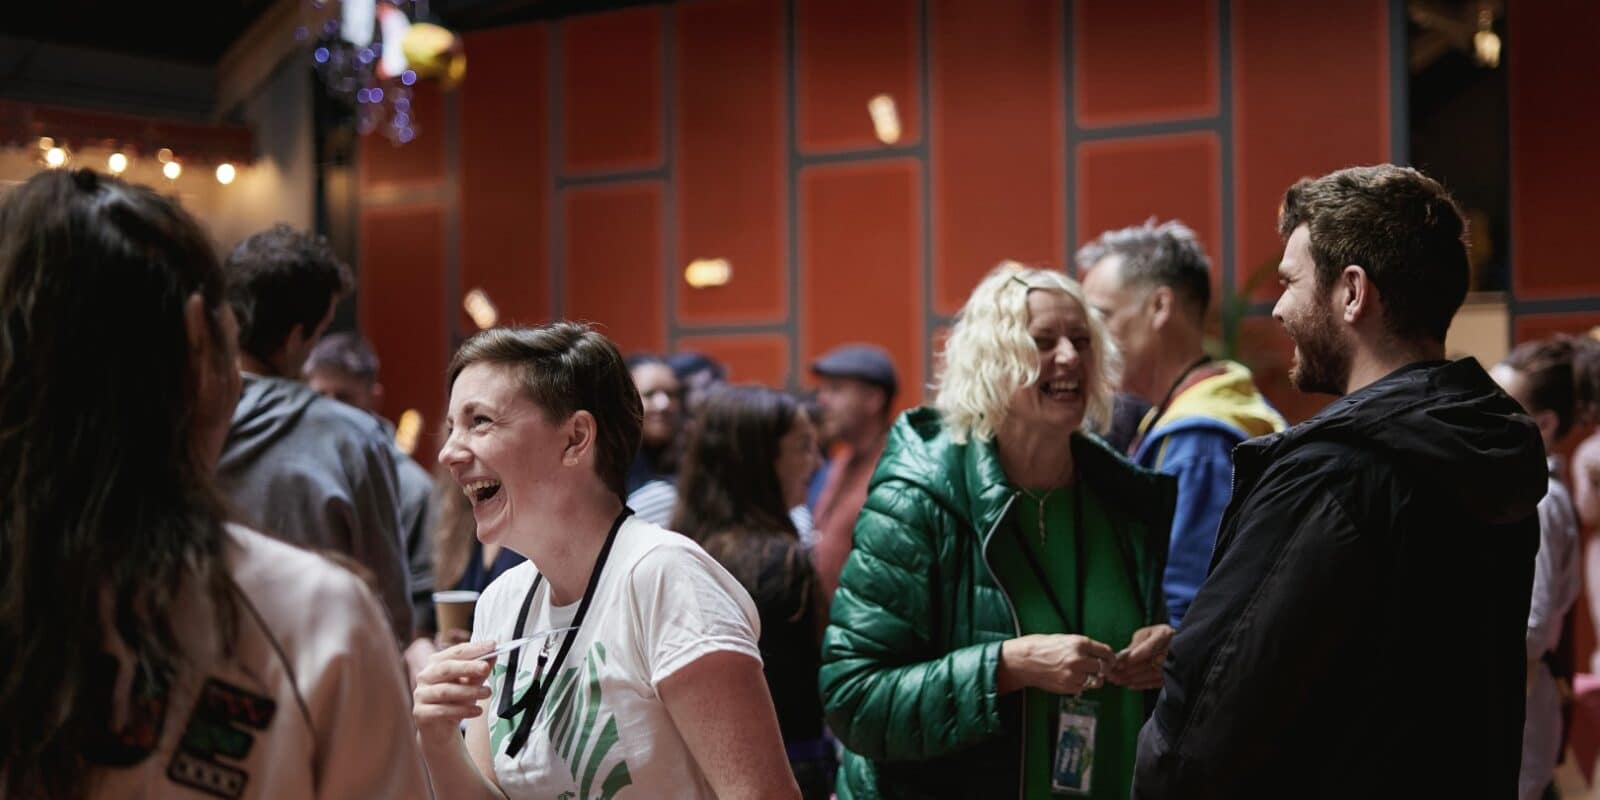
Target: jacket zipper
(1233,491)
(1231,509)
(1016,630)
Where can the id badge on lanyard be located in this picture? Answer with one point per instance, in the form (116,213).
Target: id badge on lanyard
(1072,771)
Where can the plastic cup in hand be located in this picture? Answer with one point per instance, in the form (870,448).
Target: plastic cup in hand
(455,609)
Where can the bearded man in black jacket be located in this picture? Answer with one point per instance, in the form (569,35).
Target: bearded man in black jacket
(1360,632)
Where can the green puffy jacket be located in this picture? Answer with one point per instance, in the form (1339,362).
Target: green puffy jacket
(910,657)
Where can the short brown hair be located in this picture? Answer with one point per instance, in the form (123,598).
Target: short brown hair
(1399,225)
(1560,374)
(566,367)
(280,278)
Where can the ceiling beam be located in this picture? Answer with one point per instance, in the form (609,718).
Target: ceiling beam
(257,53)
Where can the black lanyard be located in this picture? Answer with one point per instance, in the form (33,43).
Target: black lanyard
(1160,410)
(1080,538)
(533,699)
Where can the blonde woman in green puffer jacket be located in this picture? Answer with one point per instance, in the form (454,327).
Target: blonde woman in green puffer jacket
(1005,560)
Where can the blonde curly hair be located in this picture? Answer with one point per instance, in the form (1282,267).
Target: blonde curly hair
(990,354)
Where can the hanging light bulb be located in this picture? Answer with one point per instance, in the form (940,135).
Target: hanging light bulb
(172,170)
(117,163)
(1486,43)
(704,273)
(225,173)
(481,309)
(885,118)
(407,430)
(164,155)
(55,157)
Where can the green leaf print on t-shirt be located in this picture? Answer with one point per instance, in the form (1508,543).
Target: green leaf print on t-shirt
(572,713)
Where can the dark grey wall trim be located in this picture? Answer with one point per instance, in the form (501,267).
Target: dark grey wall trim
(669,192)
(1399,84)
(608,178)
(925,91)
(1560,305)
(555,214)
(732,328)
(1511,200)
(1069,139)
(1163,128)
(919,150)
(1227,252)
(792,175)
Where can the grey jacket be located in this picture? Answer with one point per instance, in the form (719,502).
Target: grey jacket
(320,474)
(417,518)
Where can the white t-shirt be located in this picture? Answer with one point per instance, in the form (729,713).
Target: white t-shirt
(603,731)
(313,703)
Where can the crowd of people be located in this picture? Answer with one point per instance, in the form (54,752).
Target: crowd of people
(1099,563)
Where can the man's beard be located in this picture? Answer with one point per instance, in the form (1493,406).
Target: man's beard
(1322,361)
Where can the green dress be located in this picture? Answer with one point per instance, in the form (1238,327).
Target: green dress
(1112,614)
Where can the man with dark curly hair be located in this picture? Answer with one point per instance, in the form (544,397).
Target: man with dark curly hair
(303,467)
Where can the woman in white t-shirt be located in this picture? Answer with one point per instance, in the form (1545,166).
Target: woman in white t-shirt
(643,678)
(150,648)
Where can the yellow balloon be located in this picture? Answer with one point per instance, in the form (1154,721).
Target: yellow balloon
(435,52)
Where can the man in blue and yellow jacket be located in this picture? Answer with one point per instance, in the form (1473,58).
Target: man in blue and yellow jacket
(1152,284)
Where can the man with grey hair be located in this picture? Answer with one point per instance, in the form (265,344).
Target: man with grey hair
(1152,284)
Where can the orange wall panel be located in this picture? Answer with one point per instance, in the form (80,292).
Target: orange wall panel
(611,91)
(1142,62)
(504,172)
(861,263)
(753,358)
(731,169)
(613,262)
(848,52)
(996,155)
(1311,95)
(1124,182)
(402,255)
(381,162)
(1555,125)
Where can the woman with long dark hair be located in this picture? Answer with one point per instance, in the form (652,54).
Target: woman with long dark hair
(151,648)
(749,458)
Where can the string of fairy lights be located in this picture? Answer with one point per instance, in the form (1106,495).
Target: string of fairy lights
(56,155)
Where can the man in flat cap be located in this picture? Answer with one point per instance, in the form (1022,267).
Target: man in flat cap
(856,389)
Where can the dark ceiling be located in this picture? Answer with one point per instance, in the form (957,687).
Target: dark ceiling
(199,32)
(190,31)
